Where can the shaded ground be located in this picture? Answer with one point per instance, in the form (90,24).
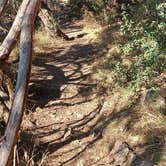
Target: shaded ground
(69,123)
(64,100)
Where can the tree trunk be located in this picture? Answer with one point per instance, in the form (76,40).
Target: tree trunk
(2,5)
(14,32)
(12,129)
(51,26)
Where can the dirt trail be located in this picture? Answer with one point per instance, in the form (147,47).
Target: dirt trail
(66,103)
(69,123)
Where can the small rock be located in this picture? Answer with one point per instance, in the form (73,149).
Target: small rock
(38,109)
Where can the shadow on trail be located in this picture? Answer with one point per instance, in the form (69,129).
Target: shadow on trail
(76,133)
(90,128)
(46,83)
(85,132)
(63,66)
(68,67)
(153,147)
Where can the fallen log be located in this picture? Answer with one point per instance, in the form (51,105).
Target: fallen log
(18,106)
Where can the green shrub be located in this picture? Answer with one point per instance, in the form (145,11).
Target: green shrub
(99,10)
(145,44)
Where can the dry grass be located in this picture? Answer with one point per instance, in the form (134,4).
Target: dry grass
(44,42)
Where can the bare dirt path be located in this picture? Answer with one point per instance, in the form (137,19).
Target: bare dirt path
(64,98)
(68,123)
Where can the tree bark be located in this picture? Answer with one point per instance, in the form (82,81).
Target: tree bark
(2,5)
(51,26)
(6,86)
(14,32)
(18,106)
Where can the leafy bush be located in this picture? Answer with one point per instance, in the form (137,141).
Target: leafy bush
(98,7)
(145,45)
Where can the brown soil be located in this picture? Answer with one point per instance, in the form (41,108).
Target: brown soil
(69,123)
(64,101)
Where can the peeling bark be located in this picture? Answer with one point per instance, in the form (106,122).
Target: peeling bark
(18,106)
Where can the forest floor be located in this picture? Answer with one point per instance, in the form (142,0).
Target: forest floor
(69,122)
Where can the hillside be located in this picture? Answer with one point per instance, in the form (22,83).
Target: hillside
(98,99)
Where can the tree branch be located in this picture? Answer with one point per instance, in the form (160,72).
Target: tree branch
(12,129)
(14,32)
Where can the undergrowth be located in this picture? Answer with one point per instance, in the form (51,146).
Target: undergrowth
(143,47)
(100,11)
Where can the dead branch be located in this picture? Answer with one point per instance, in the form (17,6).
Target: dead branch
(18,106)
(14,32)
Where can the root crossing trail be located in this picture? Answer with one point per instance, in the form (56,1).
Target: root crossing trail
(68,123)
(63,99)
